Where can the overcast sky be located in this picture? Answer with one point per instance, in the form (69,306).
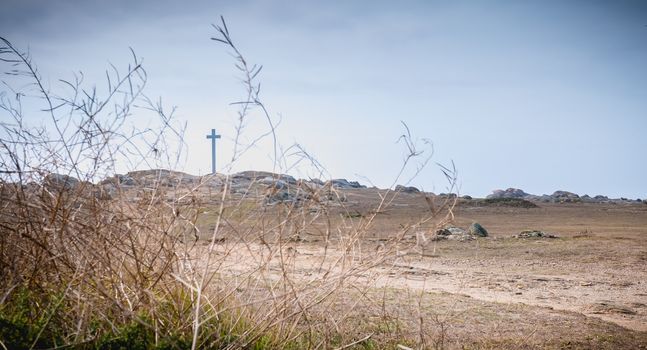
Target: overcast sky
(538,95)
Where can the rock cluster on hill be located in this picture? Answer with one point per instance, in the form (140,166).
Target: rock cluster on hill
(344,184)
(60,182)
(282,187)
(508,193)
(406,189)
(556,197)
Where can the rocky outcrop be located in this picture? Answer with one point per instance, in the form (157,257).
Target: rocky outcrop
(119,180)
(509,193)
(406,189)
(262,176)
(159,177)
(344,184)
(557,197)
(565,196)
(60,182)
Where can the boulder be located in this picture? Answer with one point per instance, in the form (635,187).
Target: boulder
(119,180)
(60,182)
(158,178)
(546,198)
(456,230)
(287,178)
(125,180)
(476,229)
(450,230)
(406,189)
(250,175)
(452,233)
(565,196)
(344,184)
(507,202)
(508,193)
(272,182)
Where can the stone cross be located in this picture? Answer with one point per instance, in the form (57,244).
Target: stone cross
(213,138)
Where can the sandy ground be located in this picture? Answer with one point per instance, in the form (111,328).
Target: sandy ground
(597,268)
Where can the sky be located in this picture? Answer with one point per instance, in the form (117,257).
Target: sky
(537,95)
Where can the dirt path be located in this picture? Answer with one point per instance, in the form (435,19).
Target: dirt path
(618,296)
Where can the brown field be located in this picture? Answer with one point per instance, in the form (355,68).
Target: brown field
(585,289)
(219,263)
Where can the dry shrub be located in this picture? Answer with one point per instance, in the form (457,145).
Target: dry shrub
(177,261)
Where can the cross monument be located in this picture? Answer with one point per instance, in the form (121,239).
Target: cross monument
(213,138)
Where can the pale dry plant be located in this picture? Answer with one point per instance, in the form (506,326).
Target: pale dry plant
(253,262)
(82,262)
(192,262)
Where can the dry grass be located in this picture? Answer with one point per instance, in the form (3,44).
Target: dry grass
(113,266)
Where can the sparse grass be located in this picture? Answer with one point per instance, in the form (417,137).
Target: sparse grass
(123,269)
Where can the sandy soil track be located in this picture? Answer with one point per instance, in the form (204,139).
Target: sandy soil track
(598,266)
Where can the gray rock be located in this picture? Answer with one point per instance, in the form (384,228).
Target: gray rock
(452,233)
(508,193)
(476,229)
(60,182)
(287,178)
(456,230)
(406,189)
(450,230)
(344,184)
(119,180)
(546,198)
(272,182)
(125,180)
(155,178)
(249,176)
(565,196)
